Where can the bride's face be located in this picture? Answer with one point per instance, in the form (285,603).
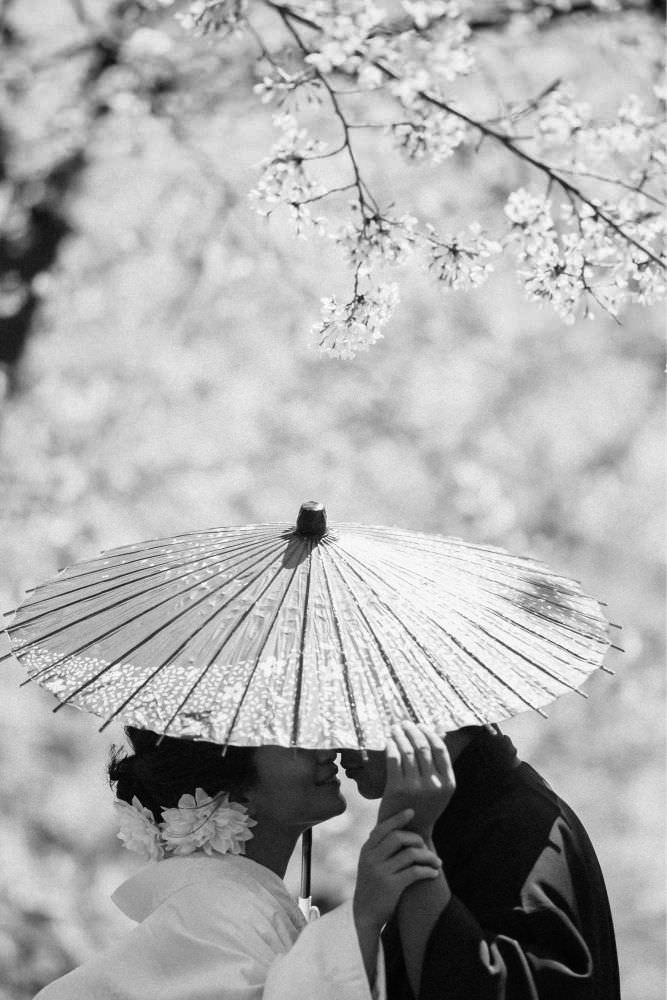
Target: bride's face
(295,788)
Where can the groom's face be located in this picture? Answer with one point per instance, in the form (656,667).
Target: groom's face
(370,774)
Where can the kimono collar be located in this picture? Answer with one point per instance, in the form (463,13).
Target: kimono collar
(144,891)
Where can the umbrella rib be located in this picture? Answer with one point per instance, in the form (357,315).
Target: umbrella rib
(115,586)
(112,562)
(346,672)
(551,642)
(498,562)
(418,541)
(527,659)
(452,639)
(490,555)
(173,655)
(156,566)
(486,667)
(201,533)
(124,600)
(567,626)
(187,540)
(564,625)
(147,638)
(116,628)
(516,652)
(142,556)
(304,624)
(383,653)
(555,604)
(510,584)
(402,624)
(477,660)
(258,656)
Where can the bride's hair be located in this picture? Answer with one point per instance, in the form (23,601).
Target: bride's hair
(161,769)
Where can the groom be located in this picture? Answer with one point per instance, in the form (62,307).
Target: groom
(520,911)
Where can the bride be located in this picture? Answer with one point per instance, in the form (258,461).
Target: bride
(214,918)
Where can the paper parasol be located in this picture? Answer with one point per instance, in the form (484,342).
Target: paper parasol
(309,636)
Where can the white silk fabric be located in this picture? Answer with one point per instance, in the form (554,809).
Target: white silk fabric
(221,928)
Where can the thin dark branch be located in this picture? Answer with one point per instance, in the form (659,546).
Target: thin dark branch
(365,198)
(325,194)
(544,168)
(352,125)
(526,109)
(266,54)
(497,16)
(609,180)
(326,156)
(288,15)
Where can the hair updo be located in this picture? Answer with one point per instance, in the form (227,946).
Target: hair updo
(161,769)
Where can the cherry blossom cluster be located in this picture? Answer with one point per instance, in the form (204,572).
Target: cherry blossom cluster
(207,16)
(587,231)
(429,134)
(606,246)
(345,329)
(462,260)
(285,179)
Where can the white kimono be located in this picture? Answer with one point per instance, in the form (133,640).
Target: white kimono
(221,928)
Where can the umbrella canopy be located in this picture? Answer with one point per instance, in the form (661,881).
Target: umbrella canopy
(307,635)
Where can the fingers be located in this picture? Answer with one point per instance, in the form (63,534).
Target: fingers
(408,755)
(439,754)
(395,822)
(416,873)
(415,749)
(411,745)
(421,747)
(400,761)
(395,841)
(414,855)
(393,763)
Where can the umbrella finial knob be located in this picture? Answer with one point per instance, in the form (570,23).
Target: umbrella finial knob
(312,519)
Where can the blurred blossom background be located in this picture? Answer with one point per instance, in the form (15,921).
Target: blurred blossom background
(157,378)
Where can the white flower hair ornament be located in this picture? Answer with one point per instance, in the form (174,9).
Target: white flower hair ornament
(138,829)
(198,823)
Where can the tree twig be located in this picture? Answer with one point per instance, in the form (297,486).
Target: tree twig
(287,15)
(364,196)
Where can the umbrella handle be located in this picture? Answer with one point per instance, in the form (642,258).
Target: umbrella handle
(309,911)
(306,851)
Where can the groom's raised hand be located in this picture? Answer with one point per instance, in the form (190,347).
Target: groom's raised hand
(419,772)
(419,776)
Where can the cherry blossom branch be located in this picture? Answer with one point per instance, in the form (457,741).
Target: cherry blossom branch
(499,16)
(540,165)
(637,188)
(564,265)
(288,14)
(325,194)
